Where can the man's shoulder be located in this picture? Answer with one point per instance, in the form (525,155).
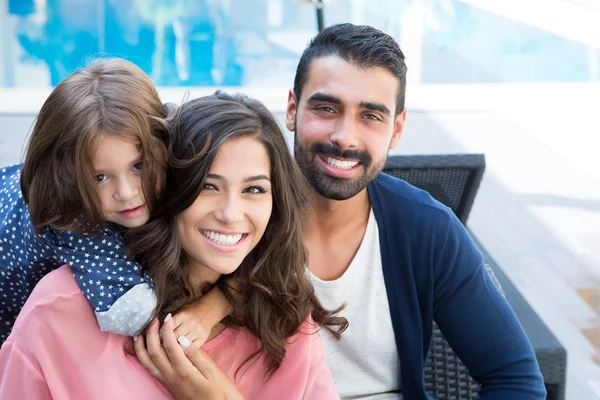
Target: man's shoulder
(394,198)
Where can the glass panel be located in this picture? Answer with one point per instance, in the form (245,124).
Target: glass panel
(259,42)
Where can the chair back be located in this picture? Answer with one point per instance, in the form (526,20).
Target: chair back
(451,179)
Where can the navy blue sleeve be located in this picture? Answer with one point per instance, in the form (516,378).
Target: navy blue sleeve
(478,322)
(24,259)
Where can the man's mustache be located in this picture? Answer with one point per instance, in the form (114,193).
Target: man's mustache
(361,156)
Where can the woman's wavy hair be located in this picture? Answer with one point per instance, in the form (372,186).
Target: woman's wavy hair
(271,292)
(107,97)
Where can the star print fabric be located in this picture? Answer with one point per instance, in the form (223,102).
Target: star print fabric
(116,287)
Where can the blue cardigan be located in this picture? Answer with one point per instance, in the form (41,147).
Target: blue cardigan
(433,271)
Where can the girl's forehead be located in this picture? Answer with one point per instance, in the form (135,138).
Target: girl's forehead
(115,138)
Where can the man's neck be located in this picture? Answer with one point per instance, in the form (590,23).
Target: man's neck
(335,232)
(328,217)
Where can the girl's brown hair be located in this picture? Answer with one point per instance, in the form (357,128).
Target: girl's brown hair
(273,293)
(108,97)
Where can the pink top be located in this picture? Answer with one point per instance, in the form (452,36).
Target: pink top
(57,351)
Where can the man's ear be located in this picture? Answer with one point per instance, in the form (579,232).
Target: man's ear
(290,111)
(398,127)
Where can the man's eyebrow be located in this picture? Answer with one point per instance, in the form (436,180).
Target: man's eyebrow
(248,179)
(324,97)
(375,107)
(363,104)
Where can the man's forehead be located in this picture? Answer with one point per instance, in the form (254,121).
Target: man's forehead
(339,79)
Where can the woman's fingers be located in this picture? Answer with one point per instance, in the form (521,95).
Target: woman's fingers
(142,355)
(174,347)
(202,361)
(129,346)
(155,350)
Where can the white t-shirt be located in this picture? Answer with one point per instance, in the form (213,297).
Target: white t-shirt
(365,362)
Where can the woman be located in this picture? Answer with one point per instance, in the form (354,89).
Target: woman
(231,212)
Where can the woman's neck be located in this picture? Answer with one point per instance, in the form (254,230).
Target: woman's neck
(200,279)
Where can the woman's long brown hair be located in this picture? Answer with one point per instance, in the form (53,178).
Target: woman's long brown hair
(273,293)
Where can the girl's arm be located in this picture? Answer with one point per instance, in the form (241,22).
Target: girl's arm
(122,294)
(117,288)
(196,322)
(24,260)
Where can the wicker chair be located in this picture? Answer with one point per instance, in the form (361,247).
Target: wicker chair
(454,180)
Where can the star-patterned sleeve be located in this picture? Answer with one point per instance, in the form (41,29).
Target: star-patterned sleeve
(116,287)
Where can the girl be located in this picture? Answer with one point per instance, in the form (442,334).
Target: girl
(232,210)
(80,186)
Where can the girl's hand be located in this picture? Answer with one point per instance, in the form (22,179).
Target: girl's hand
(194,324)
(191,377)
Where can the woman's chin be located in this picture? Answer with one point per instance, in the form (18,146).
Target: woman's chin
(225,268)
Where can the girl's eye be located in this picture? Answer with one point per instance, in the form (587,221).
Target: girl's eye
(255,190)
(101,178)
(137,166)
(209,186)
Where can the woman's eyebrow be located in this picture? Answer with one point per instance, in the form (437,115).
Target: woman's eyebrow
(257,178)
(248,179)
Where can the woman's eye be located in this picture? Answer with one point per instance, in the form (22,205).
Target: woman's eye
(209,186)
(137,166)
(255,190)
(101,178)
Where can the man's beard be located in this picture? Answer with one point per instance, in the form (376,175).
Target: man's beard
(329,186)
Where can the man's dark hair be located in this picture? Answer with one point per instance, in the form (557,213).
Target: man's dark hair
(361,45)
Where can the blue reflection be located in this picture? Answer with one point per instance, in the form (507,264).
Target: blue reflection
(172,40)
(465,44)
(243,42)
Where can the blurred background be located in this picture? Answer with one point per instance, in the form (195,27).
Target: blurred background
(517,80)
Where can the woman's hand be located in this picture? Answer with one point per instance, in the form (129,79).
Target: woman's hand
(191,377)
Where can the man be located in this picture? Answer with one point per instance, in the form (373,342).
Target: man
(395,256)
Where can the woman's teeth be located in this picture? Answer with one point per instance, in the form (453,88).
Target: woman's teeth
(219,238)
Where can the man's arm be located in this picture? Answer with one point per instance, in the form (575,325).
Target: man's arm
(479,324)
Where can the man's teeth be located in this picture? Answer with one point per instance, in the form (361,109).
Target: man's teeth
(219,238)
(341,164)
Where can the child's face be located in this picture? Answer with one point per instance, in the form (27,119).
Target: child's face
(232,211)
(117,168)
